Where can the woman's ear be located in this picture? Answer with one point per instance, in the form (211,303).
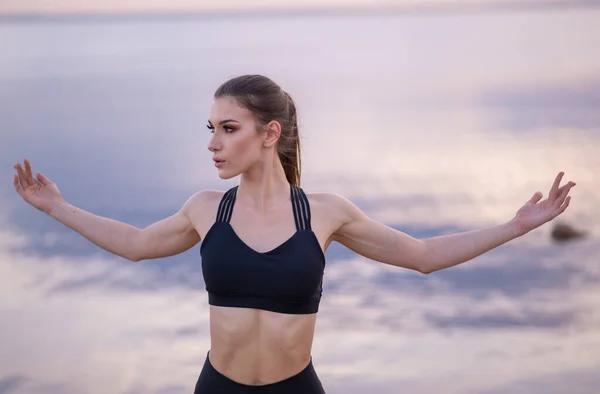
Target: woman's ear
(273,131)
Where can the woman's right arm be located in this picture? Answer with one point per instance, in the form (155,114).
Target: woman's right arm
(167,237)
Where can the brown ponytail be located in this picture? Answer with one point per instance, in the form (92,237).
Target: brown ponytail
(289,148)
(267,101)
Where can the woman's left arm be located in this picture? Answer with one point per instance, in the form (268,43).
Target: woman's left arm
(382,243)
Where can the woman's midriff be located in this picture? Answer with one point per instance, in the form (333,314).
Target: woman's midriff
(257,347)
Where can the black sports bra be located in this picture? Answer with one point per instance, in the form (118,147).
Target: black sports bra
(286,279)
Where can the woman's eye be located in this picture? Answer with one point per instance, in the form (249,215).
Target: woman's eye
(228,129)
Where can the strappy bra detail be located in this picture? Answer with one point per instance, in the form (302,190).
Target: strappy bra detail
(286,279)
(226,205)
(301,209)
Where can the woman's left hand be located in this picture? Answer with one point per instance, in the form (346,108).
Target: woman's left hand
(535,212)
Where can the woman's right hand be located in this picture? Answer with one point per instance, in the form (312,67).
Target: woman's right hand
(167,237)
(40,191)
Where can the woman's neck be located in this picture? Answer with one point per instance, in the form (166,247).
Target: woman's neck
(264,186)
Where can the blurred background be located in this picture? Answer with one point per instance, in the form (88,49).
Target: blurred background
(432,116)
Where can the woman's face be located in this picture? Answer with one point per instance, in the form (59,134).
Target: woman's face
(235,143)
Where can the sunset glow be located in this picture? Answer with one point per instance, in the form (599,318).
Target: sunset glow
(158,6)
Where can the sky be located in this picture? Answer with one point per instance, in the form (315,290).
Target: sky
(439,130)
(111,6)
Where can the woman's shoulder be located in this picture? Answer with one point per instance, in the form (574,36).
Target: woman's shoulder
(207,195)
(326,198)
(203,199)
(201,209)
(332,210)
(328,202)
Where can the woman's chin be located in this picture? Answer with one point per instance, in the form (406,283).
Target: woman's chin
(224,174)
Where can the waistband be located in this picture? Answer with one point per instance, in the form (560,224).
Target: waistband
(289,380)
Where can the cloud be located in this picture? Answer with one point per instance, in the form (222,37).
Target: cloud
(502,320)
(104,335)
(169,389)
(18,384)
(11,383)
(111,133)
(113,122)
(575,381)
(514,270)
(118,315)
(547,105)
(522,278)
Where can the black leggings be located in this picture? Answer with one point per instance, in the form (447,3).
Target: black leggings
(212,381)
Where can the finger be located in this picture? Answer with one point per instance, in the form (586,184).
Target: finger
(28,172)
(22,176)
(563,193)
(554,190)
(18,187)
(537,196)
(560,189)
(563,207)
(42,179)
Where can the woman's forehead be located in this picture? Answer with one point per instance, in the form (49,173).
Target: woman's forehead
(228,108)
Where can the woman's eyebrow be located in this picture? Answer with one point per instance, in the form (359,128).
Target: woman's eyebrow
(224,121)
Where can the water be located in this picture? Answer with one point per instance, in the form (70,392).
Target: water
(430,123)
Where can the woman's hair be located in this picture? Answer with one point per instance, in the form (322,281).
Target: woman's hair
(268,101)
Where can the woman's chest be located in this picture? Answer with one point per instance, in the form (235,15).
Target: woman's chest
(264,232)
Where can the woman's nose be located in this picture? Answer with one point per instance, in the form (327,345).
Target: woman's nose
(213,144)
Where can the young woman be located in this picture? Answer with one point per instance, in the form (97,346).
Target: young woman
(263,242)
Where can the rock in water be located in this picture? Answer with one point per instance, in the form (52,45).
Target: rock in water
(564,232)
